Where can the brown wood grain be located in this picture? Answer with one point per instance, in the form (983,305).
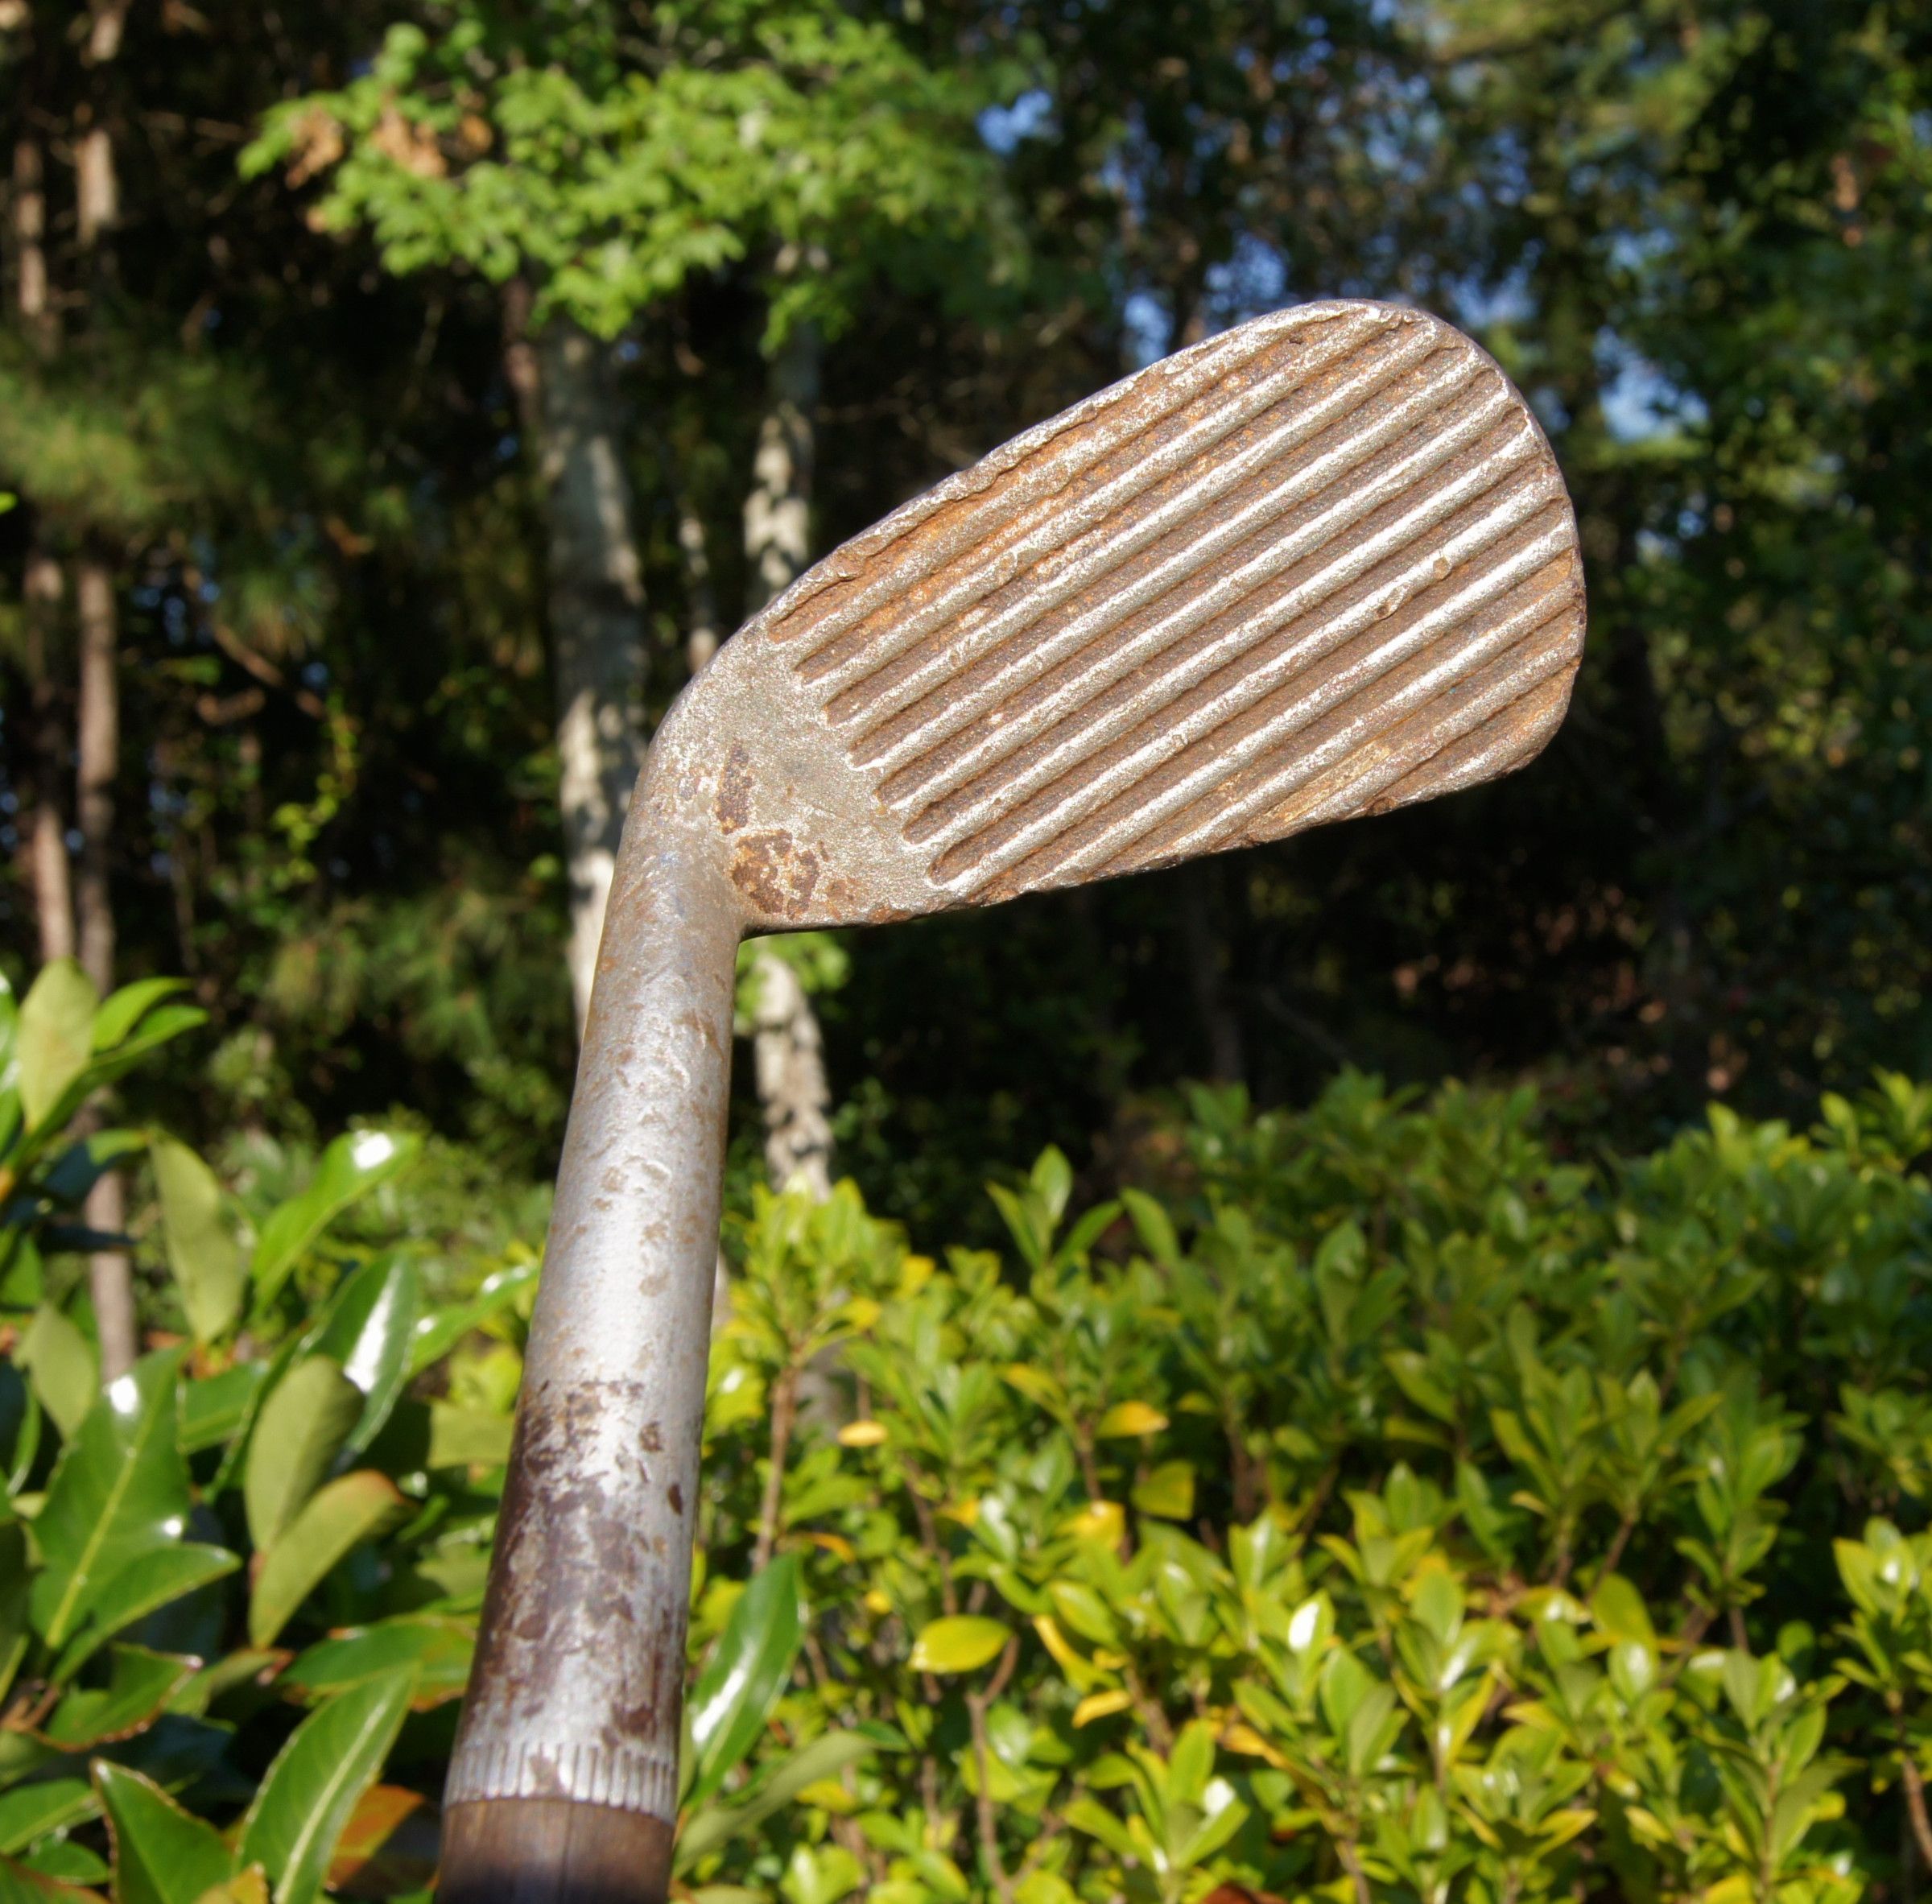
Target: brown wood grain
(552,1850)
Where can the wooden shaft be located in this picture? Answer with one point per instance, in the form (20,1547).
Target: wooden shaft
(552,1850)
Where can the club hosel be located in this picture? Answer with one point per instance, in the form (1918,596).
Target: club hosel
(574,1701)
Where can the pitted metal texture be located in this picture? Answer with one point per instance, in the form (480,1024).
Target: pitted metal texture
(1321,566)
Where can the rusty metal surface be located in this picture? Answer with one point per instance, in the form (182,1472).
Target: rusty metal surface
(1321,566)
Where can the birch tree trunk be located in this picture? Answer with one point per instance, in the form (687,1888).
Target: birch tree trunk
(110,1276)
(598,652)
(788,1053)
(48,875)
(98,211)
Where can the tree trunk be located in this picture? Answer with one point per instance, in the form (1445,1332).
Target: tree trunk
(788,1053)
(48,875)
(97,203)
(110,1277)
(30,241)
(598,654)
(99,749)
(790,1064)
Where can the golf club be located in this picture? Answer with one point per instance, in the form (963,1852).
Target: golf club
(1321,565)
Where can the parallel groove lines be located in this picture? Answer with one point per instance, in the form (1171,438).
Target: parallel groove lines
(1328,567)
(1214,642)
(1345,767)
(988,686)
(884,676)
(1026,513)
(1201,734)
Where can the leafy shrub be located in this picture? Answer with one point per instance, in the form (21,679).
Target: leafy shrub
(1368,1504)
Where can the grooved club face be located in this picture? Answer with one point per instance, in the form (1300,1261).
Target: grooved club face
(1320,566)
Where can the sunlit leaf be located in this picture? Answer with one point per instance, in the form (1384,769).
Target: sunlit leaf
(302,1427)
(438,1652)
(60,1362)
(55,1038)
(748,1669)
(202,1251)
(162,1855)
(352,1166)
(310,1792)
(120,1491)
(139,1686)
(368,1331)
(338,1518)
(960,1644)
(1127,1420)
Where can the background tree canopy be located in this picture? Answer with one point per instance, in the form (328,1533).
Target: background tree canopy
(275,388)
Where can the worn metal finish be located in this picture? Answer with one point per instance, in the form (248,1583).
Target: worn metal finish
(1320,566)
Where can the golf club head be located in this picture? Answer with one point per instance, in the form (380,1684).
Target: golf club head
(1321,565)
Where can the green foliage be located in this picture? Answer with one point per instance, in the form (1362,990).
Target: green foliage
(539,141)
(1378,1506)
(236,1574)
(1369,1503)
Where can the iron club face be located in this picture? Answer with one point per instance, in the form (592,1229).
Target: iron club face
(1321,566)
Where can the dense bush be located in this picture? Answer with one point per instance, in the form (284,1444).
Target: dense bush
(1368,1504)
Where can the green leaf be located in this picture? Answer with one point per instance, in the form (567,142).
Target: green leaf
(215,1407)
(55,1037)
(748,1669)
(368,1331)
(58,1862)
(140,1683)
(352,1166)
(467,1437)
(1167,1494)
(10,1045)
(162,1855)
(31,1811)
(1126,1420)
(1619,1612)
(22,1272)
(242,1441)
(202,1253)
(301,1429)
(310,1791)
(122,1010)
(1154,1226)
(21,1414)
(958,1645)
(437,1334)
(1093,1818)
(60,1362)
(716,1824)
(438,1651)
(159,1027)
(151,1581)
(354,1508)
(224,1675)
(119,1491)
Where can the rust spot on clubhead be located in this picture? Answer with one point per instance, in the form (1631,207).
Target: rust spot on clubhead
(776,874)
(733,806)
